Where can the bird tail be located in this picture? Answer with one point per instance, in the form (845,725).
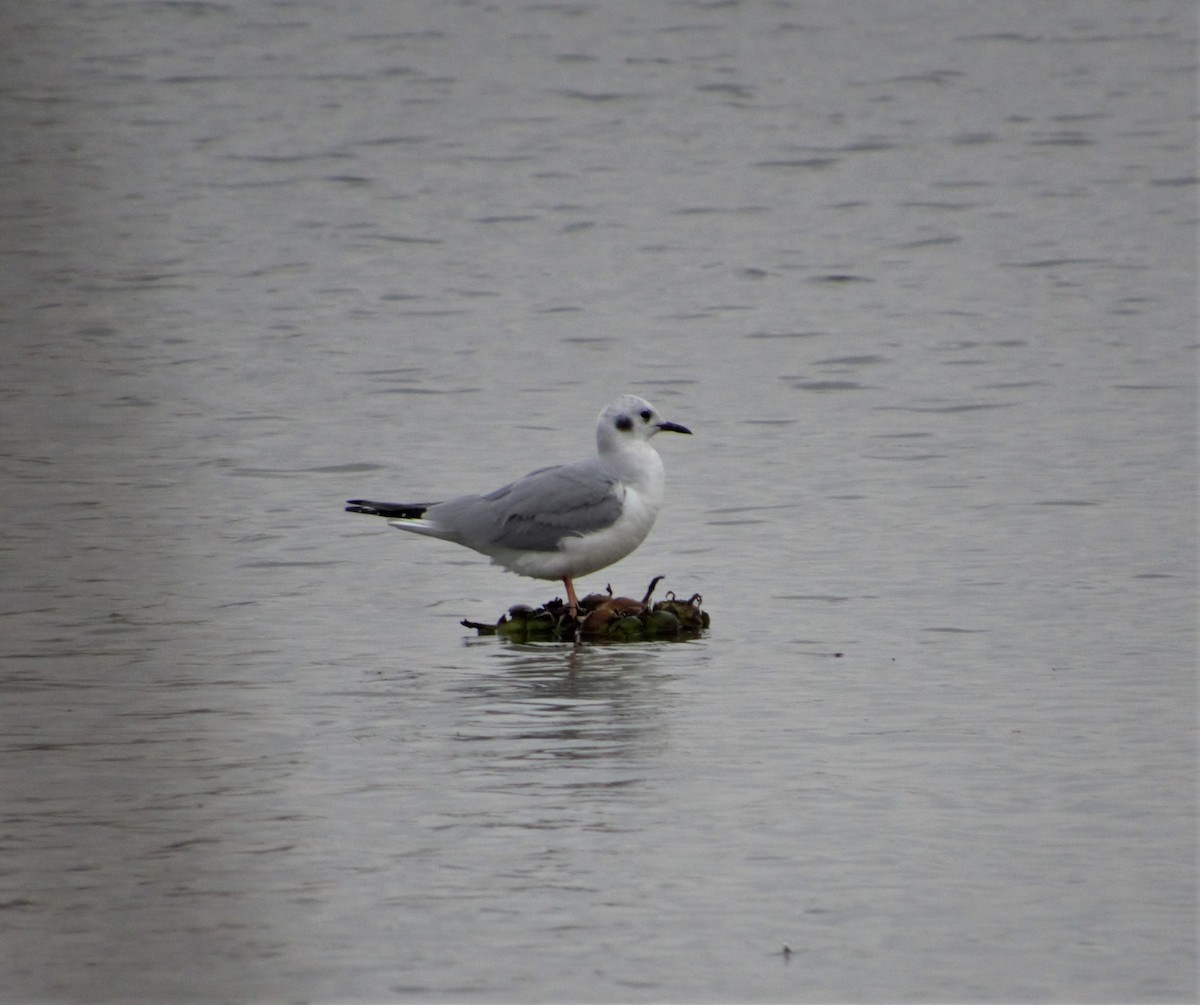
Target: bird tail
(393,511)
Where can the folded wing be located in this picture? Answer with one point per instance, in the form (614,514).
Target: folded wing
(536,512)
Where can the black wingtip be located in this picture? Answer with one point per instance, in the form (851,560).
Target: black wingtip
(391,511)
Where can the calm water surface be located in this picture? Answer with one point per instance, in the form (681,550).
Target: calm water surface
(921,277)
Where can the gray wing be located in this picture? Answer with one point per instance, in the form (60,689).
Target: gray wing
(534,513)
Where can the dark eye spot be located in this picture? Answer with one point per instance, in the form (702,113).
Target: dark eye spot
(646,414)
(624,423)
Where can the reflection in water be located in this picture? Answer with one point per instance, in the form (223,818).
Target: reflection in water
(563,704)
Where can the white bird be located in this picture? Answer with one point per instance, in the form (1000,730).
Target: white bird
(558,522)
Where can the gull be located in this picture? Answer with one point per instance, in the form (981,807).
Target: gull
(560,522)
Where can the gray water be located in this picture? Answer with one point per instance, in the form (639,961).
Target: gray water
(920,276)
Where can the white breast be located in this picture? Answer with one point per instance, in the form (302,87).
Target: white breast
(596,551)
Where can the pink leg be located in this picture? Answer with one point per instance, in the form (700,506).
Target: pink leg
(572,602)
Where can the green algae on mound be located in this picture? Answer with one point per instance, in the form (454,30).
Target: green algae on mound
(602,618)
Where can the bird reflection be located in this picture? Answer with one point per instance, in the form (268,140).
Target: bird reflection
(567,704)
